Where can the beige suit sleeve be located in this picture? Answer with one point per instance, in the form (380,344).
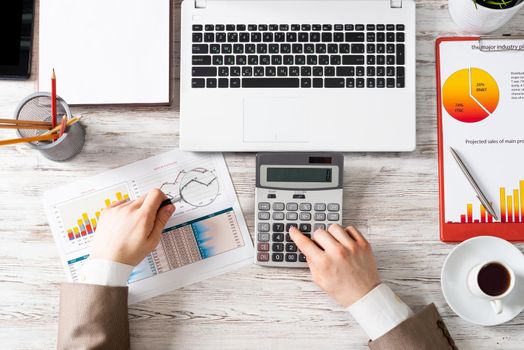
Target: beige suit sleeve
(93,317)
(423,331)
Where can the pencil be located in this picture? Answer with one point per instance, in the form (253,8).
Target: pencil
(63,125)
(25,126)
(29,139)
(53,98)
(22,122)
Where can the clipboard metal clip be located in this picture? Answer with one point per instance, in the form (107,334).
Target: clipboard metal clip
(486,46)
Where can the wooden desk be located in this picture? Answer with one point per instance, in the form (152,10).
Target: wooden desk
(393,198)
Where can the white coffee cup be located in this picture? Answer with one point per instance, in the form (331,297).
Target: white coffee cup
(475,288)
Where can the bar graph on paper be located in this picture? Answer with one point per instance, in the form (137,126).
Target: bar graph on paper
(510,208)
(78,218)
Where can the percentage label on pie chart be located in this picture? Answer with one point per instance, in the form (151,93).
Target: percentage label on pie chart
(470,95)
(199,187)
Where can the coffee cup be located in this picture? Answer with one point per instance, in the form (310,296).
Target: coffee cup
(493,281)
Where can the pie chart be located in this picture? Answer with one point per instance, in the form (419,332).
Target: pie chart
(470,95)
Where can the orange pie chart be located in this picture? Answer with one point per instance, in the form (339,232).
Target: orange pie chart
(470,95)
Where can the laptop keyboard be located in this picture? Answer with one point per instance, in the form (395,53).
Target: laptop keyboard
(298,56)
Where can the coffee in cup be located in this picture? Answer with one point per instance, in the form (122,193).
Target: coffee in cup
(493,281)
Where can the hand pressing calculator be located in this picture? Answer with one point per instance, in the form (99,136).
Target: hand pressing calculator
(294,189)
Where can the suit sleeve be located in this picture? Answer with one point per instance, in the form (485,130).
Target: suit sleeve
(423,331)
(93,317)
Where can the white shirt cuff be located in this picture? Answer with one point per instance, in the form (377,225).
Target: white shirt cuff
(105,273)
(379,311)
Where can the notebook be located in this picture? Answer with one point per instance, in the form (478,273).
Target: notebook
(480,89)
(106,52)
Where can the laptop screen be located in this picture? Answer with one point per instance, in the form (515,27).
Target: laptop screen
(16,29)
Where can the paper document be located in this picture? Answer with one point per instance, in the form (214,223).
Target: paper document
(482,119)
(205,237)
(106,52)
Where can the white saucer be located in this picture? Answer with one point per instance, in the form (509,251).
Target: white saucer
(454,276)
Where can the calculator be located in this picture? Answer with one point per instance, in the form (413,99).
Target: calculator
(297,189)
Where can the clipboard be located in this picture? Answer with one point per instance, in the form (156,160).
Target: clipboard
(487,62)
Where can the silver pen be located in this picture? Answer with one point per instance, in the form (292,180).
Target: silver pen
(480,195)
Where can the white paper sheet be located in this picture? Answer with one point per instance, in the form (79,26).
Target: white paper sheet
(206,236)
(105,52)
(486,91)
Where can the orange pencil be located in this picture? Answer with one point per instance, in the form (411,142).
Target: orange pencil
(63,126)
(53,98)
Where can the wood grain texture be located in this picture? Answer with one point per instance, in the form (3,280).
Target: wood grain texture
(393,198)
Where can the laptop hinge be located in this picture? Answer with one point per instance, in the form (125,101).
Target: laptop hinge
(395,4)
(200,4)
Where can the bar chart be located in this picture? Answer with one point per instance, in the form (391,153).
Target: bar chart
(86,224)
(79,217)
(511,204)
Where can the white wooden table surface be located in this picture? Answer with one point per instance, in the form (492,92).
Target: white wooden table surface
(393,198)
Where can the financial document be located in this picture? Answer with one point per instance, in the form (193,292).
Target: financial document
(206,236)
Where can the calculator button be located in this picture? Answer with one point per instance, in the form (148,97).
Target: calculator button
(263,237)
(291,257)
(302,257)
(278,237)
(264,206)
(320,206)
(288,238)
(271,196)
(333,207)
(304,216)
(278,215)
(278,206)
(288,226)
(320,216)
(263,247)
(278,227)
(305,228)
(263,215)
(319,227)
(278,257)
(277,247)
(333,216)
(292,216)
(299,196)
(308,235)
(263,227)
(292,206)
(263,256)
(305,206)
(291,247)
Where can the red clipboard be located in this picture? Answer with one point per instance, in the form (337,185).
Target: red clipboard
(457,232)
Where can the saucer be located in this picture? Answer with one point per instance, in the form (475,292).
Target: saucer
(454,275)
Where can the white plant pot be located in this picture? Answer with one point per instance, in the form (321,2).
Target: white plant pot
(479,19)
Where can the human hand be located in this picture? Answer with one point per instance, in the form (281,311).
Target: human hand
(341,262)
(128,231)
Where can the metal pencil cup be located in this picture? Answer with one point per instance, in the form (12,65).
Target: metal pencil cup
(37,107)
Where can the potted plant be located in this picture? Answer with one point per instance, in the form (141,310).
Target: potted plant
(482,16)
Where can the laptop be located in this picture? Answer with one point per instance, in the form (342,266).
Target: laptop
(307,75)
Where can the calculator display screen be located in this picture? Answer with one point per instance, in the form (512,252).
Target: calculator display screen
(299,174)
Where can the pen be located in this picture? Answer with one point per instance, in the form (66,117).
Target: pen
(53,98)
(165,202)
(480,195)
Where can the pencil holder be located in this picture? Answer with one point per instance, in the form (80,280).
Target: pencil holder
(37,107)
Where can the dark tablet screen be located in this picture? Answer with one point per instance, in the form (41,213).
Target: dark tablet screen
(16,31)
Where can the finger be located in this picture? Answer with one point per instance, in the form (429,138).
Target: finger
(325,240)
(341,235)
(137,203)
(304,244)
(117,203)
(152,201)
(162,217)
(356,235)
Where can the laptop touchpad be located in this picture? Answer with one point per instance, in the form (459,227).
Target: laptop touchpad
(269,119)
